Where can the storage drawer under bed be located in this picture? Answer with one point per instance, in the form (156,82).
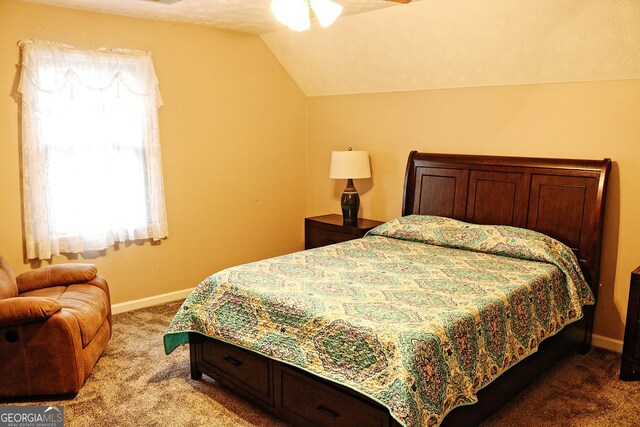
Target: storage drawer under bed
(294,395)
(248,371)
(312,403)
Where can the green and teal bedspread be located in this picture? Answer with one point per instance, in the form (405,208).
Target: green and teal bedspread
(419,315)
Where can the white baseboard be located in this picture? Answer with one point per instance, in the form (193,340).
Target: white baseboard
(123,307)
(606,343)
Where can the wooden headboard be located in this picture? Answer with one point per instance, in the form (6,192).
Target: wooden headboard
(561,198)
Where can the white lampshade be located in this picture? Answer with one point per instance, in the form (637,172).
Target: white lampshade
(350,165)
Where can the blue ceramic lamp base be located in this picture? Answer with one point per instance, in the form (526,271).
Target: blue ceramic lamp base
(350,203)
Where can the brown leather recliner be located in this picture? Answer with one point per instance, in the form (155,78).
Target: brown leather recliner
(55,322)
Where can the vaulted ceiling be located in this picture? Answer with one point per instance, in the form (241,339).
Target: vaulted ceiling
(436,44)
(247,16)
(428,44)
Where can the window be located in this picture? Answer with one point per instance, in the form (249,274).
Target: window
(92,173)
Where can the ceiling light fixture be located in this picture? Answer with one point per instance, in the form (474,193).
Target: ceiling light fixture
(295,13)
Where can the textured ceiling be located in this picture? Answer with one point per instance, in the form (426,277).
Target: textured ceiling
(430,44)
(437,44)
(249,16)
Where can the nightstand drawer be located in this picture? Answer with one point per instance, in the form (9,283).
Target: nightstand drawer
(318,237)
(636,326)
(630,366)
(329,229)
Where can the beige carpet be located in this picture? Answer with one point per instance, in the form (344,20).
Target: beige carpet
(135,384)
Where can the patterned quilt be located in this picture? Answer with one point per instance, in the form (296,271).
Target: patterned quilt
(419,315)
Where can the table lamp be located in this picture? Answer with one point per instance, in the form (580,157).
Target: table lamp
(350,165)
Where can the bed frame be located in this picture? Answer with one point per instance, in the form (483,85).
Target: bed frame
(561,198)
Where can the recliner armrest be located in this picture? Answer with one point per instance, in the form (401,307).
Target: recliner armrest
(55,275)
(17,310)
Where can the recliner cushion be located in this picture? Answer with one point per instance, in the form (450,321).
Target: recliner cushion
(55,275)
(53,292)
(87,303)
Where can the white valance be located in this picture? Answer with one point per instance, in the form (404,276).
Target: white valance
(97,69)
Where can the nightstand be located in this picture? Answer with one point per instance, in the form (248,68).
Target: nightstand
(328,229)
(630,366)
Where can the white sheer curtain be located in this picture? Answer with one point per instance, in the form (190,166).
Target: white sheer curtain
(92,172)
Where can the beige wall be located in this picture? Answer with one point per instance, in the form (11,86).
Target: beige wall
(233,140)
(233,143)
(575,120)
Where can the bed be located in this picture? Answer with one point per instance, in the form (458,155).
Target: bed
(338,336)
